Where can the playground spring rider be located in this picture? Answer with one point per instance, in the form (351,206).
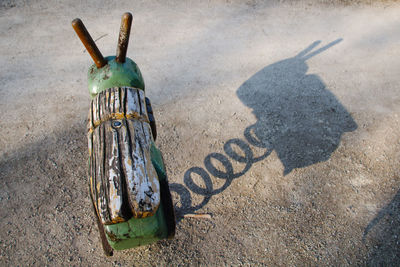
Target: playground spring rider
(127,179)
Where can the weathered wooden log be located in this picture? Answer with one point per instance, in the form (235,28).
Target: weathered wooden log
(123,181)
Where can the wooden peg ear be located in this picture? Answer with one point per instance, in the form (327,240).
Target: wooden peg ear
(88,42)
(123,39)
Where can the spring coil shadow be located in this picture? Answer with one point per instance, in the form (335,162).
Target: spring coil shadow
(228,175)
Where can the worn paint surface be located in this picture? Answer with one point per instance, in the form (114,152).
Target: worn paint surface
(114,74)
(142,231)
(123,180)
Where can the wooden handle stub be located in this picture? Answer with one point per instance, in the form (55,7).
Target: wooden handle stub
(88,42)
(123,39)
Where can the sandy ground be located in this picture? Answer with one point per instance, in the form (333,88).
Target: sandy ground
(279,119)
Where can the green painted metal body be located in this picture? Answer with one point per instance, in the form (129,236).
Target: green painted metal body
(134,232)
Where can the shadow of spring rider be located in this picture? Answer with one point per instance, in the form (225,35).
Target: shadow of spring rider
(127,179)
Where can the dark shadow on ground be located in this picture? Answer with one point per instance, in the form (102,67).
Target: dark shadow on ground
(297,116)
(384,230)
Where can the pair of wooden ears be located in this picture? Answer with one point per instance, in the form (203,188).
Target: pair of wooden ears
(91,46)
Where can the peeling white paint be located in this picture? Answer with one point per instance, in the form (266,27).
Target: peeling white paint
(131,101)
(142,102)
(112,99)
(116,102)
(115,200)
(145,178)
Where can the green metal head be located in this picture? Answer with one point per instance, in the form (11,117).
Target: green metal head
(111,71)
(114,74)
